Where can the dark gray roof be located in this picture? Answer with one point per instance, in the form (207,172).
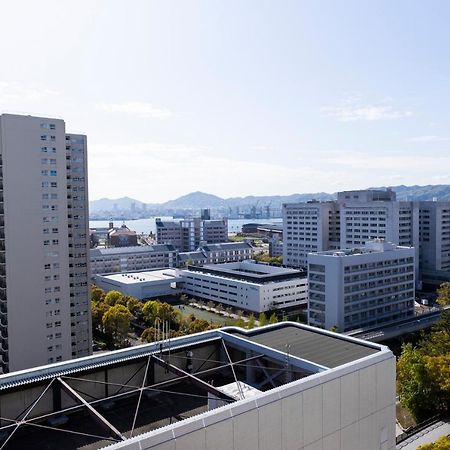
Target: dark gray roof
(184,256)
(98,252)
(226,246)
(327,350)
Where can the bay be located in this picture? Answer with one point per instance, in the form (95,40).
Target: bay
(149,225)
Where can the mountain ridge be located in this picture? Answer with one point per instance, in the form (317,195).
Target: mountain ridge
(199,200)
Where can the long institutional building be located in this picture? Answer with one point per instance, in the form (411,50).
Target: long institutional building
(362,287)
(358,216)
(283,386)
(243,285)
(127,259)
(44,243)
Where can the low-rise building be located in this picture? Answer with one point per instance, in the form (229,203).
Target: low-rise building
(247,285)
(126,259)
(227,252)
(361,287)
(141,285)
(122,237)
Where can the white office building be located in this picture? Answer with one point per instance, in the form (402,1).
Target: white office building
(308,227)
(44,243)
(247,285)
(358,216)
(362,287)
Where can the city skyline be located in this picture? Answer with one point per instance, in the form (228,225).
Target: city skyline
(237,99)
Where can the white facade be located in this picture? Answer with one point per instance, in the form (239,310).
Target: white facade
(361,288)
(233,284)
(142,285)
(434,236)
(308,227)
(358,216)
(126,259)
(44,263)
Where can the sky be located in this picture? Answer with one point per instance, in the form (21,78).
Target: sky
(237,97)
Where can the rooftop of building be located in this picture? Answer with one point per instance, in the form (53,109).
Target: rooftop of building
(123,230)
(226,246)
(156,248)
(116,397)
(249,271)
(141,276)
(370,247)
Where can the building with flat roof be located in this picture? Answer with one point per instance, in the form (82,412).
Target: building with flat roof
(126,259)
(244,285)
(283,386)
(142,285)
(187,235)
(247,285)
(362,287)
(45,311)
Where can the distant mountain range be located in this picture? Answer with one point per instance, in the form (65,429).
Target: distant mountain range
(199,200)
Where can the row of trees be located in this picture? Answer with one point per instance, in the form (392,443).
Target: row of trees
(423,370)
(113,314)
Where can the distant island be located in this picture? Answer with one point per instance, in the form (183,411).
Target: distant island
(248,207)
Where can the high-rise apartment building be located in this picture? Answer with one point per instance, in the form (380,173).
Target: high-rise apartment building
(44,243)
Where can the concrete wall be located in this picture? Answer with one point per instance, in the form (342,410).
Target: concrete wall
(348,408)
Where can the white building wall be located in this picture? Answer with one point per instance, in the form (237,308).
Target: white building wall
(368,288)
(347,408)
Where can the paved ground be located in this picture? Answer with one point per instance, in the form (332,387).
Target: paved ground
(430,434)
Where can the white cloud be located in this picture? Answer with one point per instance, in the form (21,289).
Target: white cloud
(353,109)
(14,94)
(369,113)
(138,109)
(154,172)
(429,139)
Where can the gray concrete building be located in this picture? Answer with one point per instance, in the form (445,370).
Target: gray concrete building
(44,243)
(362,287)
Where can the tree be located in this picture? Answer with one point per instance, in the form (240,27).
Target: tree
(443,443)
(116,322)
(96,294)
(444,294)
(251,322)
(240,322)
(273,318)
(113,297)
(198,325)
(134,306)
(98,311)
(262,319)
(149,335)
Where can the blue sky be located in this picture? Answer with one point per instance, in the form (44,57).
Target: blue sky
(237,97)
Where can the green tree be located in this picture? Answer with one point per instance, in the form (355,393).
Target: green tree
(96,294)
(240,322)
(444,294)
(114,297)
(251,322)
(98,311)
(415,388)
(443,443)
(149,335)
(273,318)
(134,306)
(116,323)
(262,319)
